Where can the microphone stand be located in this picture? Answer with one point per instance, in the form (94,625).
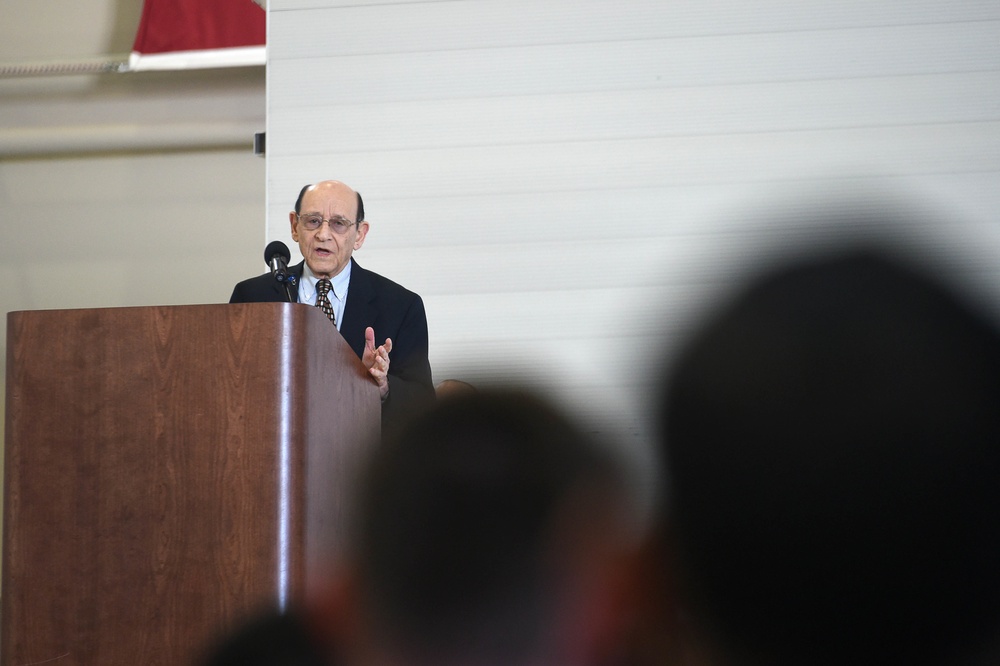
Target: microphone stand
(289,282)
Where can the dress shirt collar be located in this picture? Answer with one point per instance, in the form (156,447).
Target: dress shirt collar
(338,293)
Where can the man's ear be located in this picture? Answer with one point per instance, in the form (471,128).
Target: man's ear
(292,219)
(362,232)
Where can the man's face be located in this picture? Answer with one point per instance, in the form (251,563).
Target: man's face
(327,252)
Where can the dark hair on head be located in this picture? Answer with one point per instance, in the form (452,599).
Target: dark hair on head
(298,202)
(456,517)
(361,204)
(831,442)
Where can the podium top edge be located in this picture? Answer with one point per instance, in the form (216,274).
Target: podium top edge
(138,308)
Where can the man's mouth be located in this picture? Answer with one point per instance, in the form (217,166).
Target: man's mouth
(322,252)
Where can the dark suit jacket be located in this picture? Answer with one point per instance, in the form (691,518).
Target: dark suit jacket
(392,310)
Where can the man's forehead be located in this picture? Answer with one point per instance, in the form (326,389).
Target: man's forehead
(320,197)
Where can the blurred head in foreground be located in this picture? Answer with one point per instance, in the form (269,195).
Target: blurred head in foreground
(831,442)
(449,387)
(487,533)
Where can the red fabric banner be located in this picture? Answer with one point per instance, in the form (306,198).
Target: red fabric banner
(193,29)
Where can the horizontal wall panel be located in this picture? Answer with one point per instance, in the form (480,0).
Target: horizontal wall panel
(645,113)
(540,167)
(561,267)
(574,346)
(591,211)
(322,29)
(570,337)
(623,260)
(616,66)
(295,5)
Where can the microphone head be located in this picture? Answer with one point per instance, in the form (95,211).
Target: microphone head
(276,248)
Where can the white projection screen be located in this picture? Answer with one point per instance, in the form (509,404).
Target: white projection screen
(568,182)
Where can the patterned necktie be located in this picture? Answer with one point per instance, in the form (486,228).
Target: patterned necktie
(322,300)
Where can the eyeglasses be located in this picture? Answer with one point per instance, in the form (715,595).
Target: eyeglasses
(339,225)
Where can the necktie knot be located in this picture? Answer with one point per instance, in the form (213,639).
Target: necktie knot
(323,287)
(323,301)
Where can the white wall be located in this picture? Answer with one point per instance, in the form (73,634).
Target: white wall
(563,180)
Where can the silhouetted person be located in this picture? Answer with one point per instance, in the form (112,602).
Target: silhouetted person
(274,638)
(450,387)
(488,532)
(831,443)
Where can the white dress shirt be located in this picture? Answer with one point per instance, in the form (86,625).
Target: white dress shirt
(338,293)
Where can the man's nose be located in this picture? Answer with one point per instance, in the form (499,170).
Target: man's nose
(325,229)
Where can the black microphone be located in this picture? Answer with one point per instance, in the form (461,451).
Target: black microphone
(276,256)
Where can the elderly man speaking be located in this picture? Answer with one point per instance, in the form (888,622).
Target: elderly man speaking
(329,224)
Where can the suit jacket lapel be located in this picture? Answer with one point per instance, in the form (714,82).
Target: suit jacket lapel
(360,310)
(295,270)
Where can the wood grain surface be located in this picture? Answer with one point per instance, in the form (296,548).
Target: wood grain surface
(169,470)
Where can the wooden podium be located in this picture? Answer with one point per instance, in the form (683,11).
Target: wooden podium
(169,470)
